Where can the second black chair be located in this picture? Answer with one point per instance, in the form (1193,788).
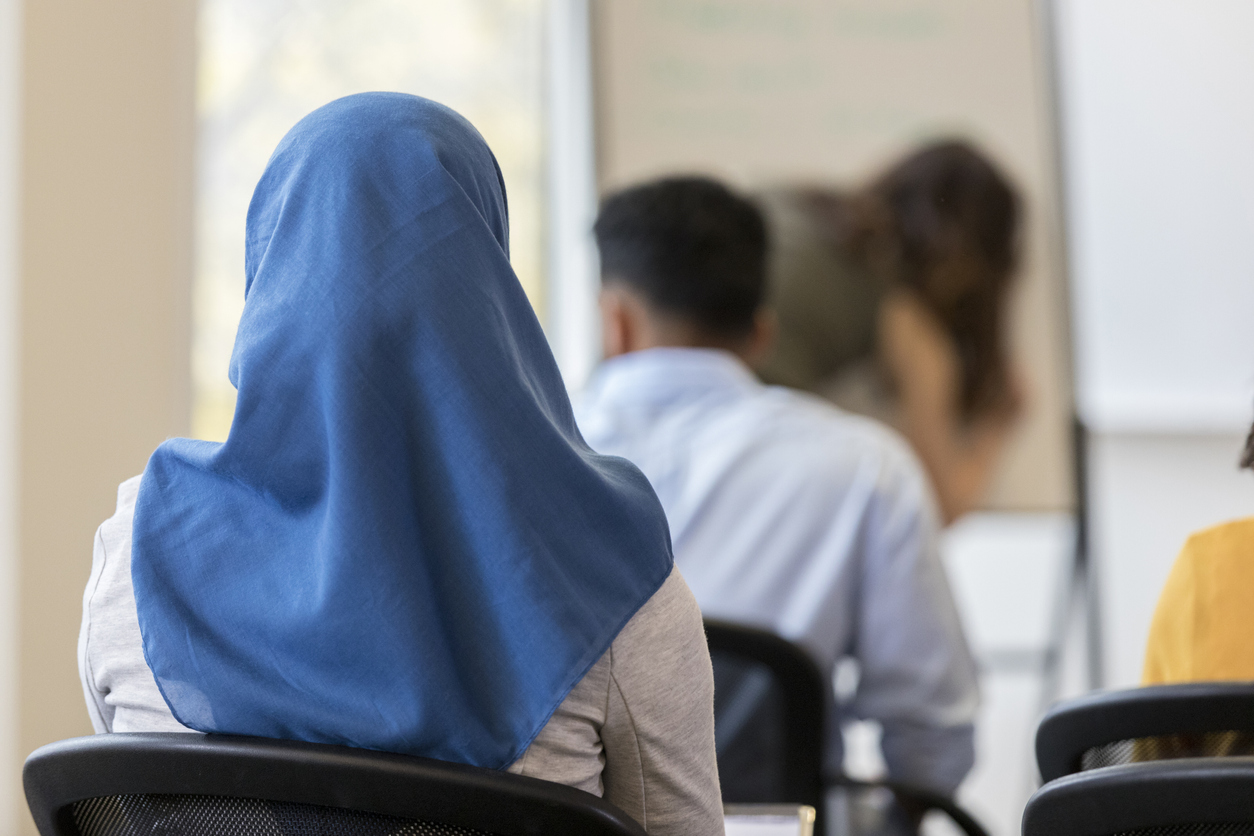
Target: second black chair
(1200,719)
(770,727)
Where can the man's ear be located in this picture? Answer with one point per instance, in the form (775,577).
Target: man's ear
(616,324)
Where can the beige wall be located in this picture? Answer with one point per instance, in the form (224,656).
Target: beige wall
(106,167)
(763,91)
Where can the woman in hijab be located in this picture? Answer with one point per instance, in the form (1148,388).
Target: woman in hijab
(891,302)
(404,544)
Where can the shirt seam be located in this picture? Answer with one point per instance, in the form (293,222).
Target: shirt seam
(635,735)
(522,761)
(609,682)
(88,668)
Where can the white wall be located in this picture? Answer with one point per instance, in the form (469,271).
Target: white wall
(1157,122)
(106,139)
(1148,493)
(574,330)
(1007,572)
(11,802)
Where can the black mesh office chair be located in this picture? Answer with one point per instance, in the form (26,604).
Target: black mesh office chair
(1186,797)
(212,785)
(1202,719)
(770,729)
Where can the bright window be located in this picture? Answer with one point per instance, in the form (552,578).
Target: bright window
(266,63)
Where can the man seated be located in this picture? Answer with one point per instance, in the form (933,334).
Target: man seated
(786,513)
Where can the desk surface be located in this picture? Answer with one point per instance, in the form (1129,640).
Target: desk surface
(768,820)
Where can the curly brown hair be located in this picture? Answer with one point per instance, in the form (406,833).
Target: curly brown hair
(945,223)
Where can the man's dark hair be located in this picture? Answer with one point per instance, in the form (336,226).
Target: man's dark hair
(691,247)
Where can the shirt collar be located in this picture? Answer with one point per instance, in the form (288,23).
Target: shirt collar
(663,374)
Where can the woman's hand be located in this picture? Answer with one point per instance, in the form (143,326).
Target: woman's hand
(922,364)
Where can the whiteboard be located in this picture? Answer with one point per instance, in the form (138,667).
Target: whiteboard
(1157,126)
(763,92)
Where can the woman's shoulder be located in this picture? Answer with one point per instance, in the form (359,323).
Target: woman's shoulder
(1201,621)
(1229,542)
(673,601)
(666,631)
(1215,565)
(115,532)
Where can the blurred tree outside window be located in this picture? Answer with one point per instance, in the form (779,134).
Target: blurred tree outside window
(264,64)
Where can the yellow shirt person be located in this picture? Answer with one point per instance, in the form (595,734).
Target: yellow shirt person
(1203,627)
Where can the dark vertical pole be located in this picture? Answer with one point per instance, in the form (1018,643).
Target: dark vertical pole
(1081,584)
(1086,574)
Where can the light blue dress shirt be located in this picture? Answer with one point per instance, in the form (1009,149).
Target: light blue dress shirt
(788,514)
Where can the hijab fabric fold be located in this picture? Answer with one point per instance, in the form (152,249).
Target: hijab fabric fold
(404,543)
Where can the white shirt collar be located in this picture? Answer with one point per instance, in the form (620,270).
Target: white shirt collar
(665,374)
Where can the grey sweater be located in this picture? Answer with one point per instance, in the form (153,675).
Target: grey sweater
(638,729)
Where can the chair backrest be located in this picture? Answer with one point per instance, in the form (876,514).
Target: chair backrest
(770,729)
(211,785)
(1203,719)
(768,717)
(1186,797)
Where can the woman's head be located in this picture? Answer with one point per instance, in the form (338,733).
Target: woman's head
(404,543)
(944,223)
(346,192)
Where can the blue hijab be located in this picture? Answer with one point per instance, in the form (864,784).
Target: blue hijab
(404,544)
